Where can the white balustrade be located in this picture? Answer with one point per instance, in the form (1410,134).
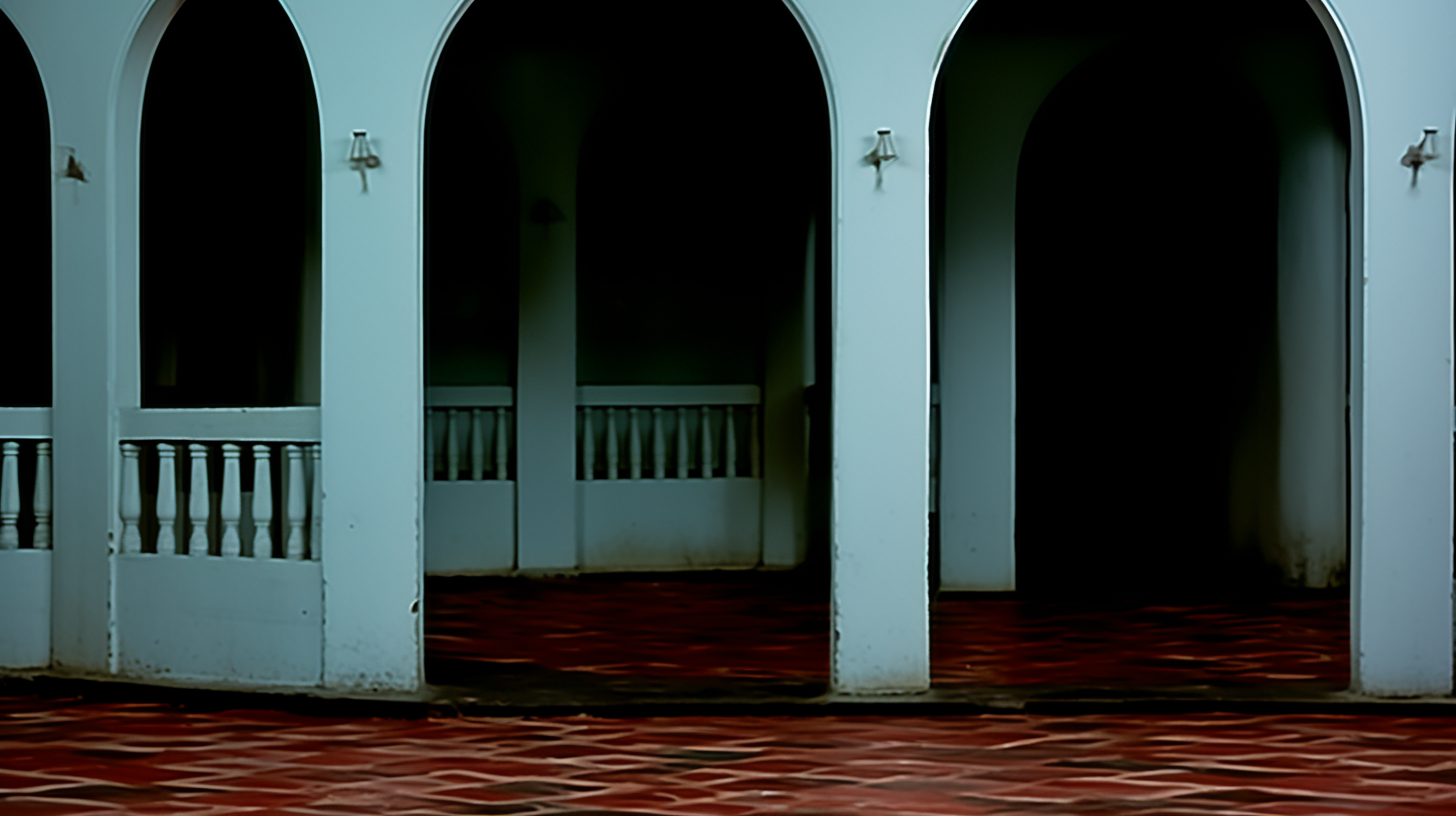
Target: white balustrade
(131,499)
(41,504)
(698,429)
(262,501)
(230,537)
(297,509)
(467,442)
(16,531)
(199,505)
(166,499)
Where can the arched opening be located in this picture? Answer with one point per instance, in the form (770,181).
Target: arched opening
(26,136)
(625,387)
(230,185)
(1142,344)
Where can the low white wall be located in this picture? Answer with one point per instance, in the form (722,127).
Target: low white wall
(25,609)
(215,620)
(470,527)
(669,523)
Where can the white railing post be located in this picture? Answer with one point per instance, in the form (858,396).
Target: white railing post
(659,446)
(10,498)
(682,443)
(588,448)
(316,504)
(41,540)
(131,496)
(612,459)
(262,501)
(502,446)
(755,456)
(199,503)
(477,445)
(166,499)
(297,510)
(707,444)
(231,510)
(452,447)
(730,445)
(430,445)
(634,439)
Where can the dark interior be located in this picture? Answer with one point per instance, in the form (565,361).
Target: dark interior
(229,211)
(26,328)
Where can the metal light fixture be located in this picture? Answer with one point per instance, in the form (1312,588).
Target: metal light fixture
(884,151)
(361,155)
(1420,153)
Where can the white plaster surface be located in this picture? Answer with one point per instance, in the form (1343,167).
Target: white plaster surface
(470,527)
(231,620)
(669,523)
(25,609)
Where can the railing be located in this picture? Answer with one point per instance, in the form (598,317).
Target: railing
(668,432)
(25,525)
(25,478)
(468,434)
(227,483)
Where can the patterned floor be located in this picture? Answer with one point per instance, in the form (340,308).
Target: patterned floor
(71,757)
(752,635)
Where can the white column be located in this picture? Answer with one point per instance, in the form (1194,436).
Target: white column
(297,510)
(166,499)
(199,502)
(882,76)
(545,105)
(1402,397)
(42,537)
(231,507)
(373,378)
(262,501)
(76,63)
(10,497)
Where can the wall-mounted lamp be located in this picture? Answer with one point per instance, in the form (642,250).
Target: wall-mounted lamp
(884,151)
(74,169)
(361,155)
(1420,153)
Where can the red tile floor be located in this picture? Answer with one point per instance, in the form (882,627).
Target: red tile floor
(68,757)
(748,635)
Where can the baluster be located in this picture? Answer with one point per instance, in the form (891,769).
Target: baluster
(477,446)
(232,501)
(316,504)
(10,500)
(634,438)
(755,462)
(707,445)
(682,443)
(199,507)
(262,501)
(659,446)
(429,445)
(41,540)
(730,445)
(588,449)
(452,447)
(297,510)
(502,446)
(166,499)
(612,460)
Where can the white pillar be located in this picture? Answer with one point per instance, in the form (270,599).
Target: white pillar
(80,96)
(1402,397)
(373,377)
(545,105)
(882,75)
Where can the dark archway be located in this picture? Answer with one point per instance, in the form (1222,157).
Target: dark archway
(26,330)
(230,186)
(650,175)
(1146,357)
